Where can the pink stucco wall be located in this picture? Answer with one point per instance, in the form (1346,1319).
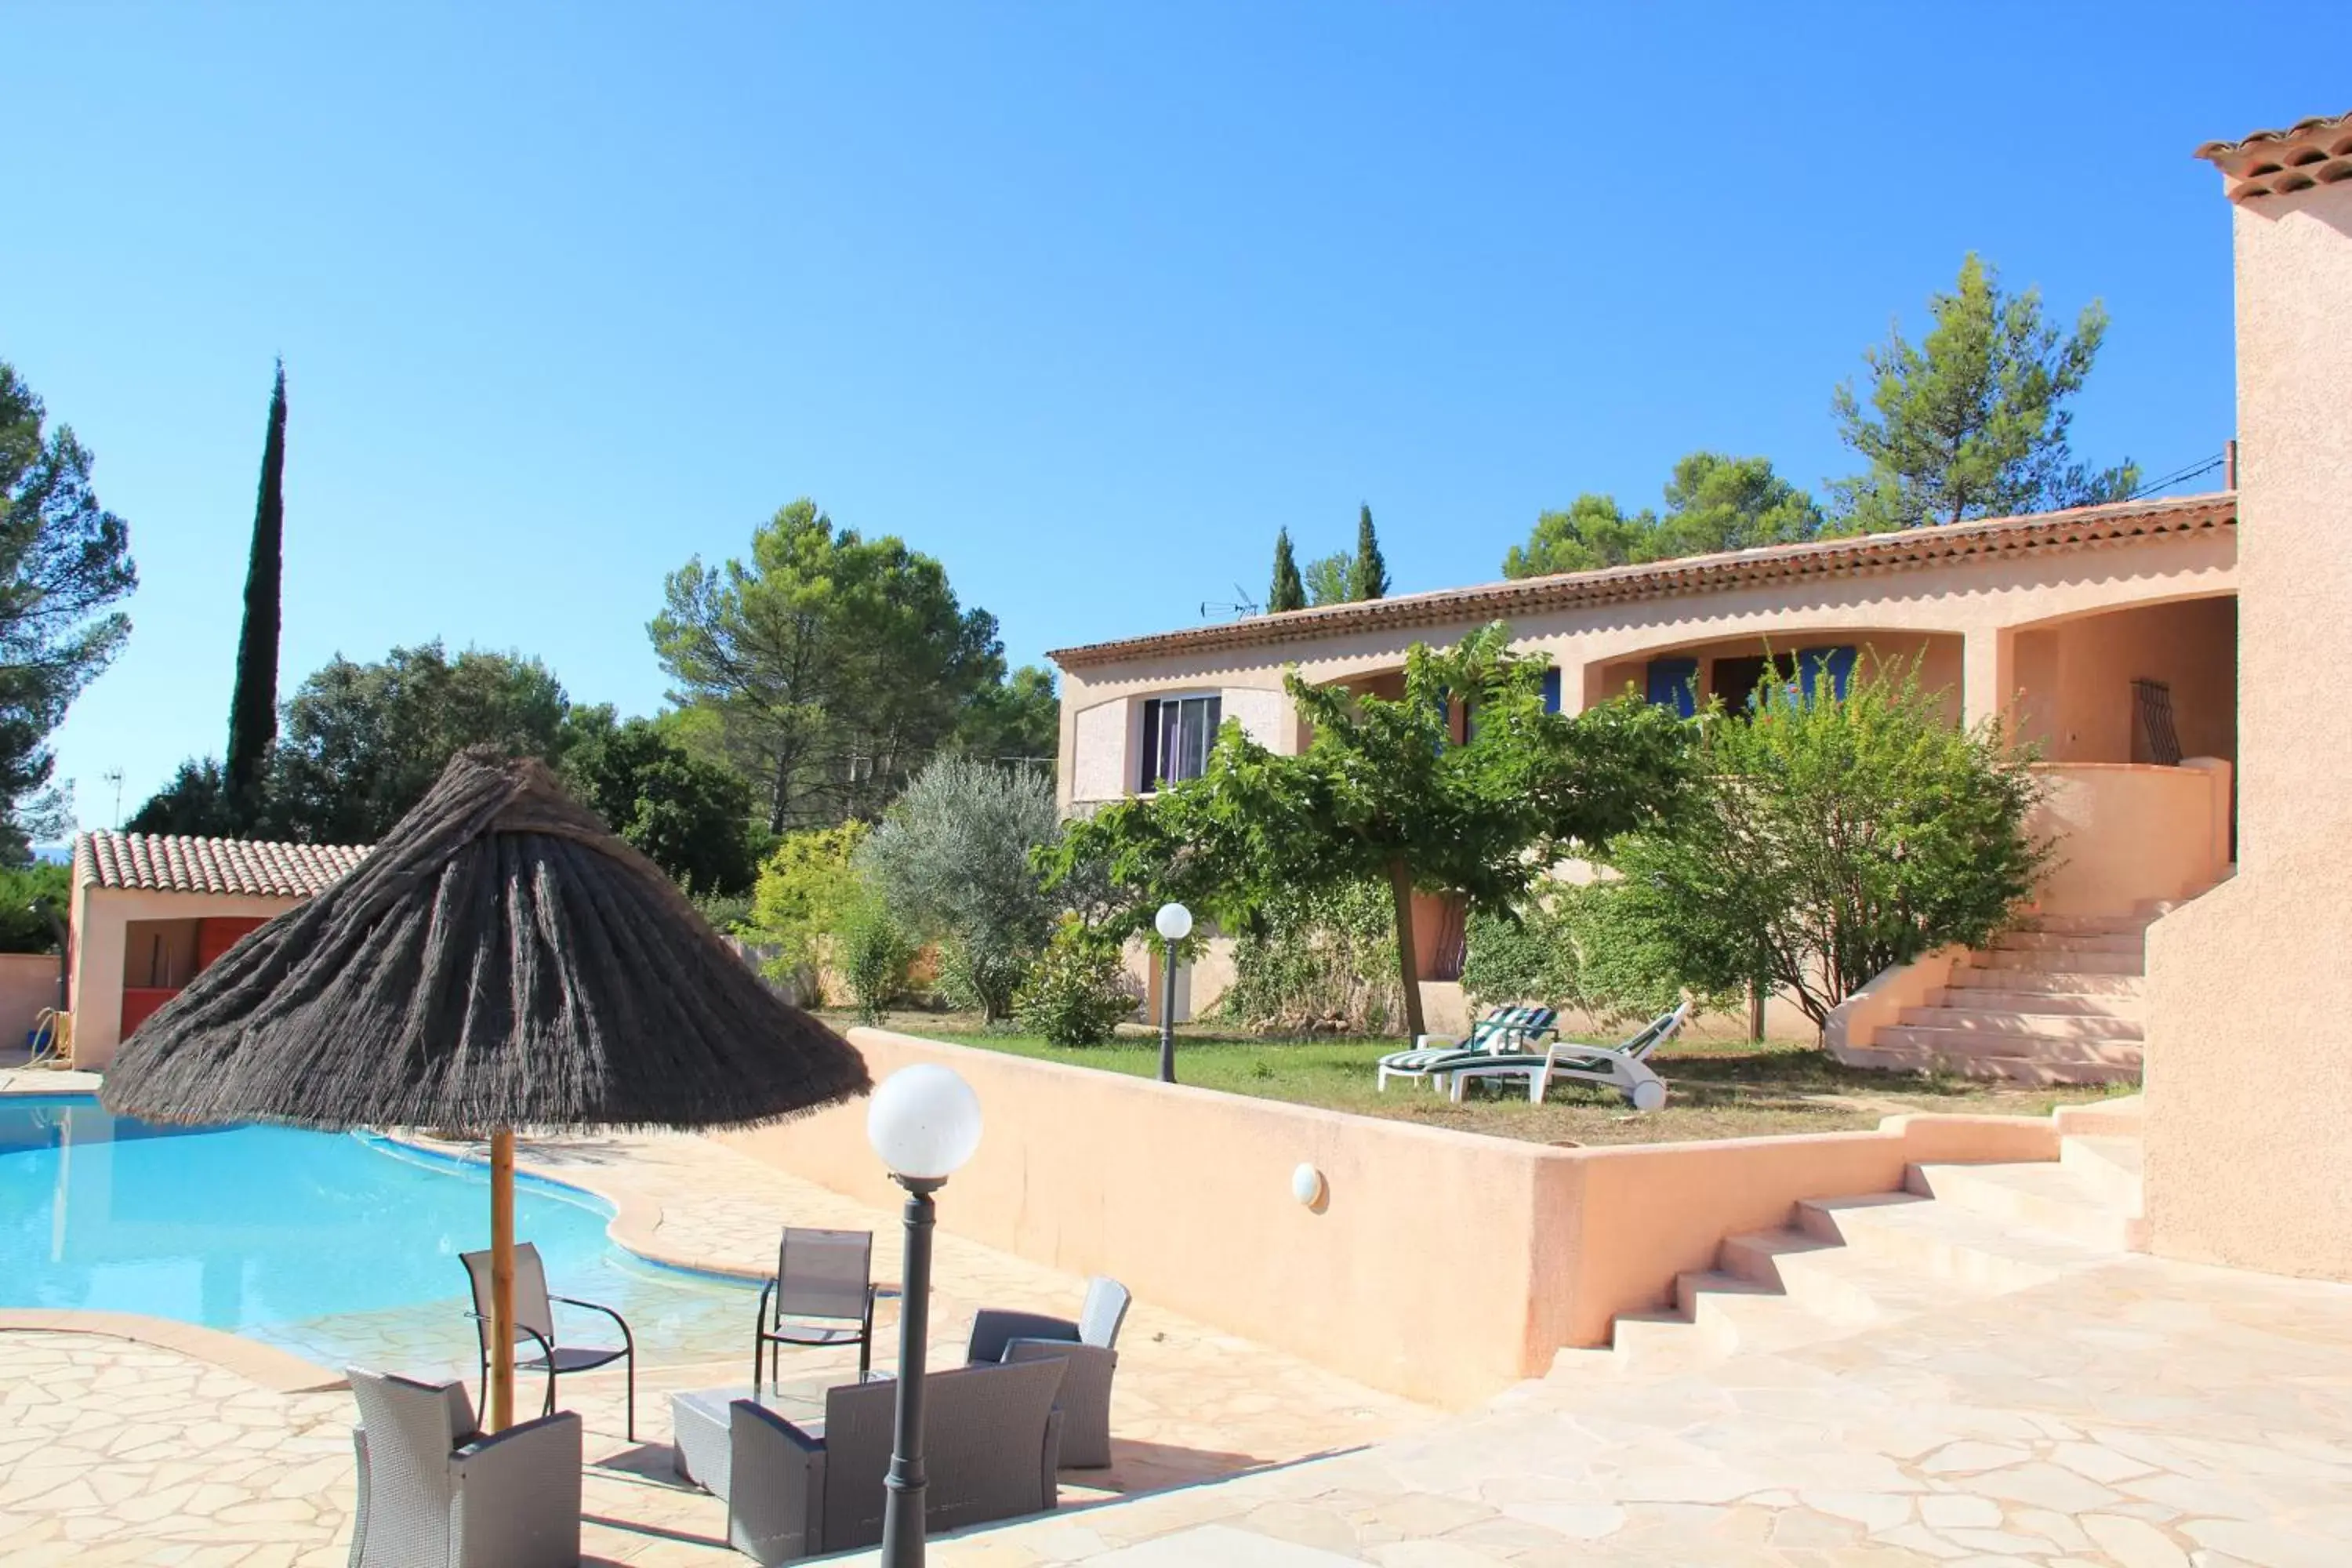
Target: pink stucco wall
(1443,1265)
(2075,680)
(28,986)
(2249,1075)
(2131,833)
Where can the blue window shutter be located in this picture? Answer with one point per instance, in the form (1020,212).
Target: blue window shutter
(1552,691)
(1837,661)
(1674,684)
(1840,665)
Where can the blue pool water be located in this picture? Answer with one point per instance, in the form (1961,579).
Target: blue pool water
(340,1247)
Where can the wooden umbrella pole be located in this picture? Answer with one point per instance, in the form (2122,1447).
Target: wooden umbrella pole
(502,1280)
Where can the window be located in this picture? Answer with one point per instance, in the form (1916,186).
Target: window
(1673,683)
(1837,663)
(1177,732)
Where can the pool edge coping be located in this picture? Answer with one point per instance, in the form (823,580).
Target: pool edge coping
(635,1217)
(279,1371)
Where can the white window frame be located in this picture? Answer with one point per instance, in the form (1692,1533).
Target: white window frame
(1150,727)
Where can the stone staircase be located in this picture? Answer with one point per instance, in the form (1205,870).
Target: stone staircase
(2057,1000)
(1842,1266)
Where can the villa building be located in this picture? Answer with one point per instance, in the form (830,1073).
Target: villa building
(2106,635)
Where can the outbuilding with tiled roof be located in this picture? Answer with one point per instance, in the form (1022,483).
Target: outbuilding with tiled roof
(150,911)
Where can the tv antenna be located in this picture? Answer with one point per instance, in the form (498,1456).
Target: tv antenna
(1240,605)
(114,777)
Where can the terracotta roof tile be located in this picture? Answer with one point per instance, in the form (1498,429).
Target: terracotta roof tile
(1912,550)
(176,864)
(2315,151)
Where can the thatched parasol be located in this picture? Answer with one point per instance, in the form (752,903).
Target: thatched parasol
(501,961)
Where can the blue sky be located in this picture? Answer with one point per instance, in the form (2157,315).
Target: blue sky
(1085,299)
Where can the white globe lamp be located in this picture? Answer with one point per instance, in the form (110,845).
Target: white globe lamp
(1173,923)
(924,1121)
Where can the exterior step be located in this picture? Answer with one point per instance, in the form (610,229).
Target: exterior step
(2108,1165)
(1730,1314)
(2086,925)
(1658,1342)
(2014,1069)
(2071,983)
(2123,1117)
(2041,1026)
(2133,941)
(1983,998)
(1941,1242)
(2068,961)
(2045,1196)
(2054,1048)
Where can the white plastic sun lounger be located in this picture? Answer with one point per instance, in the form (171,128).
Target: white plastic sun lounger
(1624,1068)
(1513,1029)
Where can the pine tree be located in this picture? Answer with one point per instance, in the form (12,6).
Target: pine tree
(1371,579)
(1287,593)
(1973,420)
(253,705)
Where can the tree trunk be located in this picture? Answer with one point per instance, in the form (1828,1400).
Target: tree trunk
(779,792)
(1408,966)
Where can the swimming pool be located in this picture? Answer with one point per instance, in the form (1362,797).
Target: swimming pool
(339,1246)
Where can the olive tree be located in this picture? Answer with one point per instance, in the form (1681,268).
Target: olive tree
(952,858)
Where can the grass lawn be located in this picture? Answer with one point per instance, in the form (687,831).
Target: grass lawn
(1719,1089)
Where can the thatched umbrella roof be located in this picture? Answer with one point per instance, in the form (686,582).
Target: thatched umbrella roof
(500,960)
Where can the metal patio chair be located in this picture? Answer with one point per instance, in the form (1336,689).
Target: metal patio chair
(824,1286)
(535,1314)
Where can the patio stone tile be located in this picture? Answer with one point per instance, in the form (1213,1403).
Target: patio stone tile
(2140,1414)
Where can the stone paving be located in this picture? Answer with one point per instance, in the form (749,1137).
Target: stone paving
(1189,1404)
(2146,1413)
(2139,1412)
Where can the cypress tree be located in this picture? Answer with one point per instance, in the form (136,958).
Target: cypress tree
(1287,593)
(253,705)
(1370,579)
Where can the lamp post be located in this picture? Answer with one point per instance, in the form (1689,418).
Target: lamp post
(1174,923)
(925,1124)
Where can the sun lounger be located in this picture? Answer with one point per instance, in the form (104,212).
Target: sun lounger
(1624,1068)
(1504,1028)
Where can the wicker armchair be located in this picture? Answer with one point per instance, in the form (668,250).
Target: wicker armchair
(1088,1346)
(991,1441)
(433,1492)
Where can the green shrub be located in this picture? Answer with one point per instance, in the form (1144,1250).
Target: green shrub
(1318,961)
(977,974)
(23,928)
(1575,950)
(727,914)
(1832,838)
(1075,994)
(876,954)
(806,888)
